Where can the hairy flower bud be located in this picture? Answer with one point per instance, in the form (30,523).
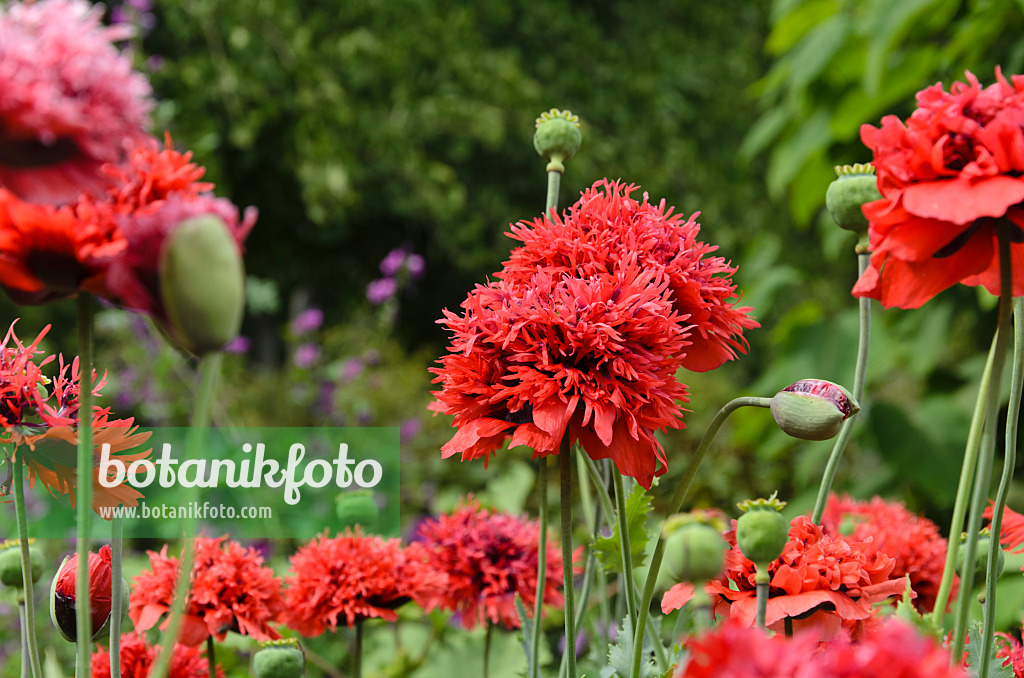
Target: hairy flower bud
(762,531)
(279,659)
(980,558)
(813,409)
(855,186)
(63,591)
(10,563)
(694,549)
(558,136)
(202,282)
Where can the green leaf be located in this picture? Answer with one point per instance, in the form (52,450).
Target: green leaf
(794,25)
(995,666)
(638,505)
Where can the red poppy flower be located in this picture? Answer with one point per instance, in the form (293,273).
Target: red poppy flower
(732,650)
(350,578)
(947,178)
(913,541)
(819,580)
(231,591)
(893,649)
(68,101)
(606,227)
(1011,533)
(592,358)
(1011,651)
(138,657)
(489,558)
(99,592)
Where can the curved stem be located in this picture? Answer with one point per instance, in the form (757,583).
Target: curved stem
(83,620)
(859,377)
(116,593)
(677,503)
(565,506)
(542,562)
(28,624)
(625,552)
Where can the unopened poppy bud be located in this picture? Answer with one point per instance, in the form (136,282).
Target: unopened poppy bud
(202,282)
(10,563)
(558,137)
(357,508)
(813,409)
(762,531)
(856,185)
(694,549)
(63,590)
(980,558)
(279,659)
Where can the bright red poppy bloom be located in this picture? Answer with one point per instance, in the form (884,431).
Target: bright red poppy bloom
(733,650)
(350,578)
(138,657)
(1011,533)
(68,99)
(606,227)
(99,592)
(947,178)
(1011,651)
(893,649)
(592,358)
(231,591)
(913,541)
(489,558)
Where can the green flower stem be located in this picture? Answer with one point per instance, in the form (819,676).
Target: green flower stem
(542,562)
(83,625)
(565,506)
(859,377)
(586,498)
(967,469)
(487,648)
(211,658)
(357,651)
(116,593)
(762,580)
(624,547)
(588,574)
(28,625)
(209,372)
(554,183)
(677,503)
(600,485)
(26,661)
(988,442)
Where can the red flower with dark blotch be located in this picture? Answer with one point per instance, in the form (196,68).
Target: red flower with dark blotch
(231,591)
(1011,532)
(819,579)
(887,526)
(947,178)
(349,578)
(606,228)
(64,591)
(592,358)
(68,101)
(489,558)
(138,657)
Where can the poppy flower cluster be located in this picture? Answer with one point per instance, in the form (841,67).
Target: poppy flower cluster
(583,333)
(950,179)
(138,657)
(489,558)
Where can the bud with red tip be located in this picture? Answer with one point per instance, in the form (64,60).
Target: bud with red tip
(63,592)
(813,409)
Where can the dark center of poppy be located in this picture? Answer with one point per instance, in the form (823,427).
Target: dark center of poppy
(29,153)
(58,271)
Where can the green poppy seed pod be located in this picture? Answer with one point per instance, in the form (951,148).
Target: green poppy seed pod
(694,553)
(813,409)
(980,558)
(762,532)
(202,282)
(856,185)
(279,659)
(558,137)
(357,507)
(10,563)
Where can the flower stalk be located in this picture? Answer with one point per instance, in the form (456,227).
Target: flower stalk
(542,562)
(83,622)
(30,645)
(565,500)
(116,594)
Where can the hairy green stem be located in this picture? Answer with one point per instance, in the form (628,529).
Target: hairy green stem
(83,620)
(859,377)
(116,593)
(554,183)
(28,626)
(565,506)
(588,572)
(762,581)
(625,552)
(677,503)
(26,660)
(542,562)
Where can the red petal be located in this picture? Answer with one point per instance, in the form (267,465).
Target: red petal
(677,596)
(962,201)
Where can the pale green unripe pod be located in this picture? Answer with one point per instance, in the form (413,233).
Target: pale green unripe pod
(558,135)
(813,409)
(856,185)
(202,283)
(279,659)
(10,564)
(762,532)
(357,507)
(694,553)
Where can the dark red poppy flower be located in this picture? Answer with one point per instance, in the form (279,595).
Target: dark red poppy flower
(138,657)
(489,558)
(913,541)
(69,99)
(1011,533)
(349,578)
(63,605)
(606,227)
(948,177)
(231,591)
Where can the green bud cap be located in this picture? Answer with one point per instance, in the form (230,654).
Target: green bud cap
(279,659)
(558,137)
(980,558)
(813,409)
(762,532)
(694,552)
(856,185)
(202,282)
(10,563)
(357,508)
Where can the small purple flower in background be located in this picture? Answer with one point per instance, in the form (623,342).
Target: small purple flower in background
(238,345)
(309,320)
(365,417)
(119,15)
(141,5)
(351,368)
(372,357)
(409,429)
(416,266)
(582,644)
(381,290)
(392,263)
(306,355)
(325,399)
(155,63)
